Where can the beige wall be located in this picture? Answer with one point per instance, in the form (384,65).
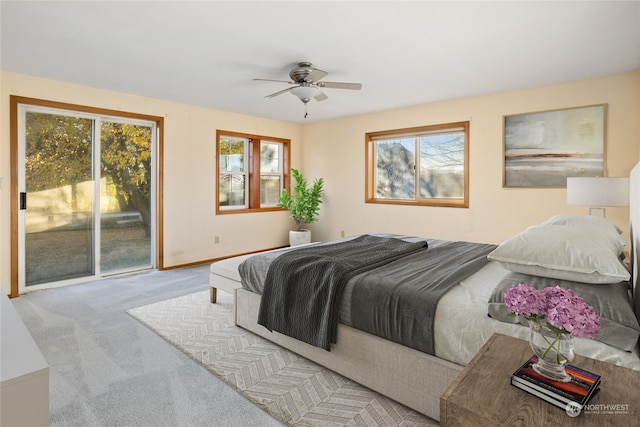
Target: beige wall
(189,160)
(334,150)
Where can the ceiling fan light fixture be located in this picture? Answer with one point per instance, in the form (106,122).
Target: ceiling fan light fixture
(305,93)
(307,79)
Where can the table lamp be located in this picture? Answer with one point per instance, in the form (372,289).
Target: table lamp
(598,193)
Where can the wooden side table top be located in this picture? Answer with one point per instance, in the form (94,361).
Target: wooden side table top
(483,396)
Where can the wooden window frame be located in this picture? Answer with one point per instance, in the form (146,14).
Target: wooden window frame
(370,167)
(14,102)
(253,173)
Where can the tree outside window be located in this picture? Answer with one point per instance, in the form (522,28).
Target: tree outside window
(420,166)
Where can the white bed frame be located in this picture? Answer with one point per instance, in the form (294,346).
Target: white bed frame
(408,376)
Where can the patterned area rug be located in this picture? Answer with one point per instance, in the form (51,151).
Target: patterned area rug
(290,388)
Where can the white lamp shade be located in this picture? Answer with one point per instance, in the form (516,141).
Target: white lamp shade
(597,191)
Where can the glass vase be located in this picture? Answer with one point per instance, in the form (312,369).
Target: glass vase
(554,351)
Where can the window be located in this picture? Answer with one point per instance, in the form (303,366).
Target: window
(419,166)
(253,171)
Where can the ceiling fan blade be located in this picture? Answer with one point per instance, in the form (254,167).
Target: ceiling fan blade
(320,97)
(339,85)
(315,75)
(280,92)
(278,81)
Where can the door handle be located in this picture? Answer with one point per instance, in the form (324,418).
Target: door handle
(23,201)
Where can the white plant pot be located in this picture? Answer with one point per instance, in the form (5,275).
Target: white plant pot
(301,237)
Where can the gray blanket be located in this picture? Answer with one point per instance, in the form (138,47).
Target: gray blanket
(303,287)
(398,302)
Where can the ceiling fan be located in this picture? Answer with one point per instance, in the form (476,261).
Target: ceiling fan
(308,84)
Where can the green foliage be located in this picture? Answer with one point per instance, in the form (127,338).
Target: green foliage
(58,151)
(59,148)
(304,203)
(126,161)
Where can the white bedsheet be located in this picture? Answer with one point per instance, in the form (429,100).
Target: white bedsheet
(463,326)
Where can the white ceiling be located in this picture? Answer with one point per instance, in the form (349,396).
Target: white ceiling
(206,53)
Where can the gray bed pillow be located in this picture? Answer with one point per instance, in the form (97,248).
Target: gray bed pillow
(618,324)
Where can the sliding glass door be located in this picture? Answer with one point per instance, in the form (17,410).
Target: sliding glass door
(125,196)
(58,198)
(86,186)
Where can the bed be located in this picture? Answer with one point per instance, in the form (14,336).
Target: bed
(467,314)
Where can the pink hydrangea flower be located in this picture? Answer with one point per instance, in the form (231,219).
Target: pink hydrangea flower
(576,317)
(561,308)
(523,299)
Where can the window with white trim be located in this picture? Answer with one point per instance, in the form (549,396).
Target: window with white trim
(419,166)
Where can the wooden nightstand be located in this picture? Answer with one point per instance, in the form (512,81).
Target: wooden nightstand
(482,395)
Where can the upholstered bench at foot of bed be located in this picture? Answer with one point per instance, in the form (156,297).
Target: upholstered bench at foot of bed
(224,275)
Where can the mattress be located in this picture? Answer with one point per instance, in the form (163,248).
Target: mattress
(462,325)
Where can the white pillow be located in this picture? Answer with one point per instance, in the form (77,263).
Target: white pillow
(585,221)
(565,253)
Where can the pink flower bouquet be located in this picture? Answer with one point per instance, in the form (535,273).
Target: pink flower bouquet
(564,311)
(555,315)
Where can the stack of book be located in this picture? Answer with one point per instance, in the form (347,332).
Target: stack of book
(582,387)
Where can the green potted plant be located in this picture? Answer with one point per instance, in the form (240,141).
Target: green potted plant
(303,204)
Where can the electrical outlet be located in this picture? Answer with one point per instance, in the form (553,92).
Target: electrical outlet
(341,233)
(216,239)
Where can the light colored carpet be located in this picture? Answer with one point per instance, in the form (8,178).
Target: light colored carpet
(290,388)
